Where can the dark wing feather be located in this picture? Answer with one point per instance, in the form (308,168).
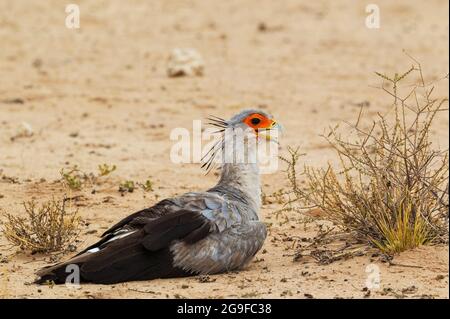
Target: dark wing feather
(142,255)
(163,207)
(165,229)
(135,221)
(198,234)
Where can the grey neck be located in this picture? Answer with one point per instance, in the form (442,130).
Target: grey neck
(245,178)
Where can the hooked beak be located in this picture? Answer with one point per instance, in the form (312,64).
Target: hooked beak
(272,132)
(275,125)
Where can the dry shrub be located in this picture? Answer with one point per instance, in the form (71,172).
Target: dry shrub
(391,187)
(47,228)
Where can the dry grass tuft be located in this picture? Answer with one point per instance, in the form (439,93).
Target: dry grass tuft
(47,228)
(391,187)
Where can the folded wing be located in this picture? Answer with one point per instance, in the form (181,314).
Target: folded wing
(141,255)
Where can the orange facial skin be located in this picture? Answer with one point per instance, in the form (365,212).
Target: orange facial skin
(259,122)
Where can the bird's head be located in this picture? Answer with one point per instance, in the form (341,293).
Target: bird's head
(256,121)
(240,136)
(250,121)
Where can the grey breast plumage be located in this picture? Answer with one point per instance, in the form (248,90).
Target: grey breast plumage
(237,238)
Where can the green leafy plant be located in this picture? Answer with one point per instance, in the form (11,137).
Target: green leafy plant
(105,169)
(72,177)
(147,186)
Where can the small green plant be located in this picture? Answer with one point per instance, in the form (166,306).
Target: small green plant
(50,227)
(75,178)
(105,169)
(127,187)
(72,178)
(147,186)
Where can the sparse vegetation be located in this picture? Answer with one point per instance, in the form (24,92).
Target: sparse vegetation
(75,178)
(147,186)
(127,187)
(391,187)
(72,178)
(105,169)
(47,228)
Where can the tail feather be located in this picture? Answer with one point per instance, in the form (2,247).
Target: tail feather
(58,273)
(114,264)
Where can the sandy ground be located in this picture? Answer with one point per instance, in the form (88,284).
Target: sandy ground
(100,94)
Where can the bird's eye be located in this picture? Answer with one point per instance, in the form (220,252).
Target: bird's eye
(255,121)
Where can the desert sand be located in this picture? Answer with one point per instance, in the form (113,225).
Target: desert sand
(100,94)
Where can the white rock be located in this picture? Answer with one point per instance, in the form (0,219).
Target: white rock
(185,62)
(26,129)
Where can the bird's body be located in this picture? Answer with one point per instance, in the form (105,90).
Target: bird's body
(196,233)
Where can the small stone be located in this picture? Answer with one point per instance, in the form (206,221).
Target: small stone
(185,62)
(24,130)
(262,27)
(37,63)
(438,277)
(409,290)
